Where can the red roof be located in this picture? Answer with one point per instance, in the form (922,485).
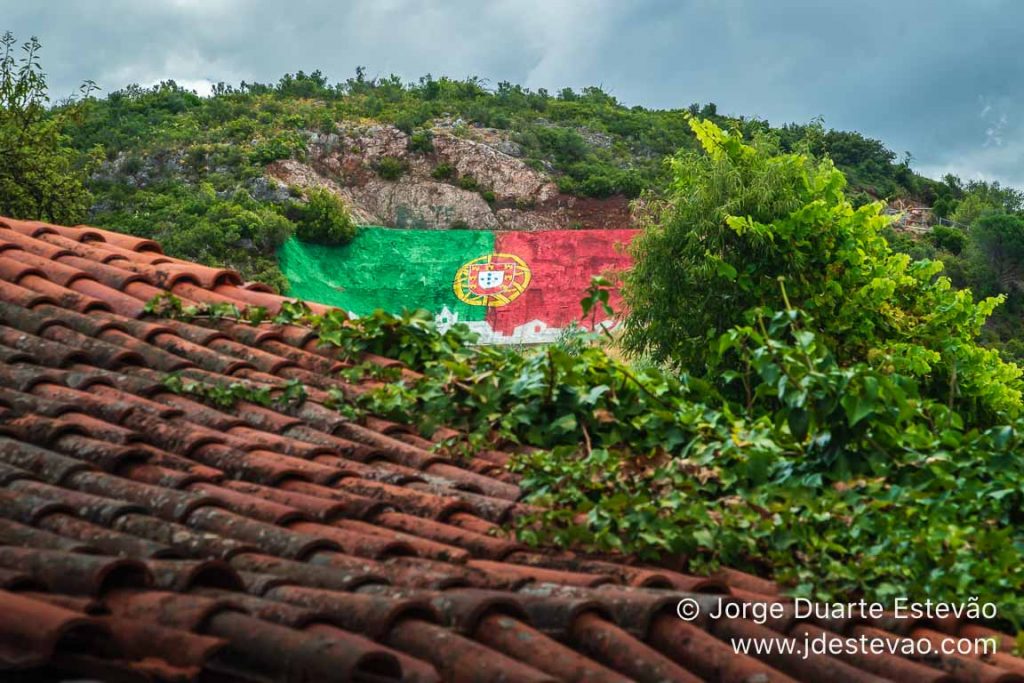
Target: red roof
(147,536)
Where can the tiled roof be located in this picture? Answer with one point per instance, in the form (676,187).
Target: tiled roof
(147,536)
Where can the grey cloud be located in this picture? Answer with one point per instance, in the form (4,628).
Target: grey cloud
(941,80)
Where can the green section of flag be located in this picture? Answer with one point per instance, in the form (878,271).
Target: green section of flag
(386,268)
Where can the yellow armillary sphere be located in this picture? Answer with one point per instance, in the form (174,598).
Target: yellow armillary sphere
(492,280)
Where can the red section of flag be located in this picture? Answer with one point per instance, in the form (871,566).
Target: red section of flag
(562,263)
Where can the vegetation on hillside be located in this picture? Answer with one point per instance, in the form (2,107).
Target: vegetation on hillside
(165,163)
(982,249)
(160,144)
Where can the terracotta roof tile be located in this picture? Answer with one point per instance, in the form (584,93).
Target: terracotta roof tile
(14,240)
(269,538)
(703,654)
(612,646)
(367,613)
(521,642)
(104,540)
(183,541)
(458,658)
(33,632)
(51,293)
(889,667)
(13,260)
(139,640)
(167,539)
(119,240)
(330,570)
(76,573)
(22,296)
(16,534)
(276,652)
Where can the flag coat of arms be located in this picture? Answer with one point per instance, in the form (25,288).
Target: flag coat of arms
(489,279)
(513,287)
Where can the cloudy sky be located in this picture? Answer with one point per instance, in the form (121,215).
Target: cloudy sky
(941,79)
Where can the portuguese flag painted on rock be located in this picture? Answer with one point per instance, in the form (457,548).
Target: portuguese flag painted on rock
(510,287)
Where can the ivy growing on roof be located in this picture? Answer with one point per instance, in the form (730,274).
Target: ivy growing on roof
(842,480)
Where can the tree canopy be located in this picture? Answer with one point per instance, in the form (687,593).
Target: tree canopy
(41,176)
(741,217)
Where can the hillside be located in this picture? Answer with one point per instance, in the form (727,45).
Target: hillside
(225,180)
(216,179)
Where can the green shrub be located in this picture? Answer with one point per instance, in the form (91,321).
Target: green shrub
(597,186)
(467,182)
(240,130)
(324,219)
(565,145)
(283,146)
(952,240)
(408,121)
(326,124)
(489,196)
(443,171)
(844,479)
(131,165)
(198,223)
(630,183)
(390,168)
(421,141)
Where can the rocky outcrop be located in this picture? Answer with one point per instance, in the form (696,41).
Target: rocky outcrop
(508,177)
(423,204)
(487,185)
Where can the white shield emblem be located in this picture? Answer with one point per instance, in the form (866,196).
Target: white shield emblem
(488,279)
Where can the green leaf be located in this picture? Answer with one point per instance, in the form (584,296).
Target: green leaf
(564,424)
(857,408)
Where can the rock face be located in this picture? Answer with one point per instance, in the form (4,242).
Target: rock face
(508,177)
(424,204)
(484,186)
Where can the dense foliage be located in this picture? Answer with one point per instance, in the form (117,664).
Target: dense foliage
(741,217)
(854,439)
(843,481)
(323,219)
(983,249)
(41,177)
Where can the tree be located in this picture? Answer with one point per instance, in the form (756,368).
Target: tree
(980,197)
(746,229)
(41,176)
(997,242)
(687,248)
(324,219)
(952,240)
